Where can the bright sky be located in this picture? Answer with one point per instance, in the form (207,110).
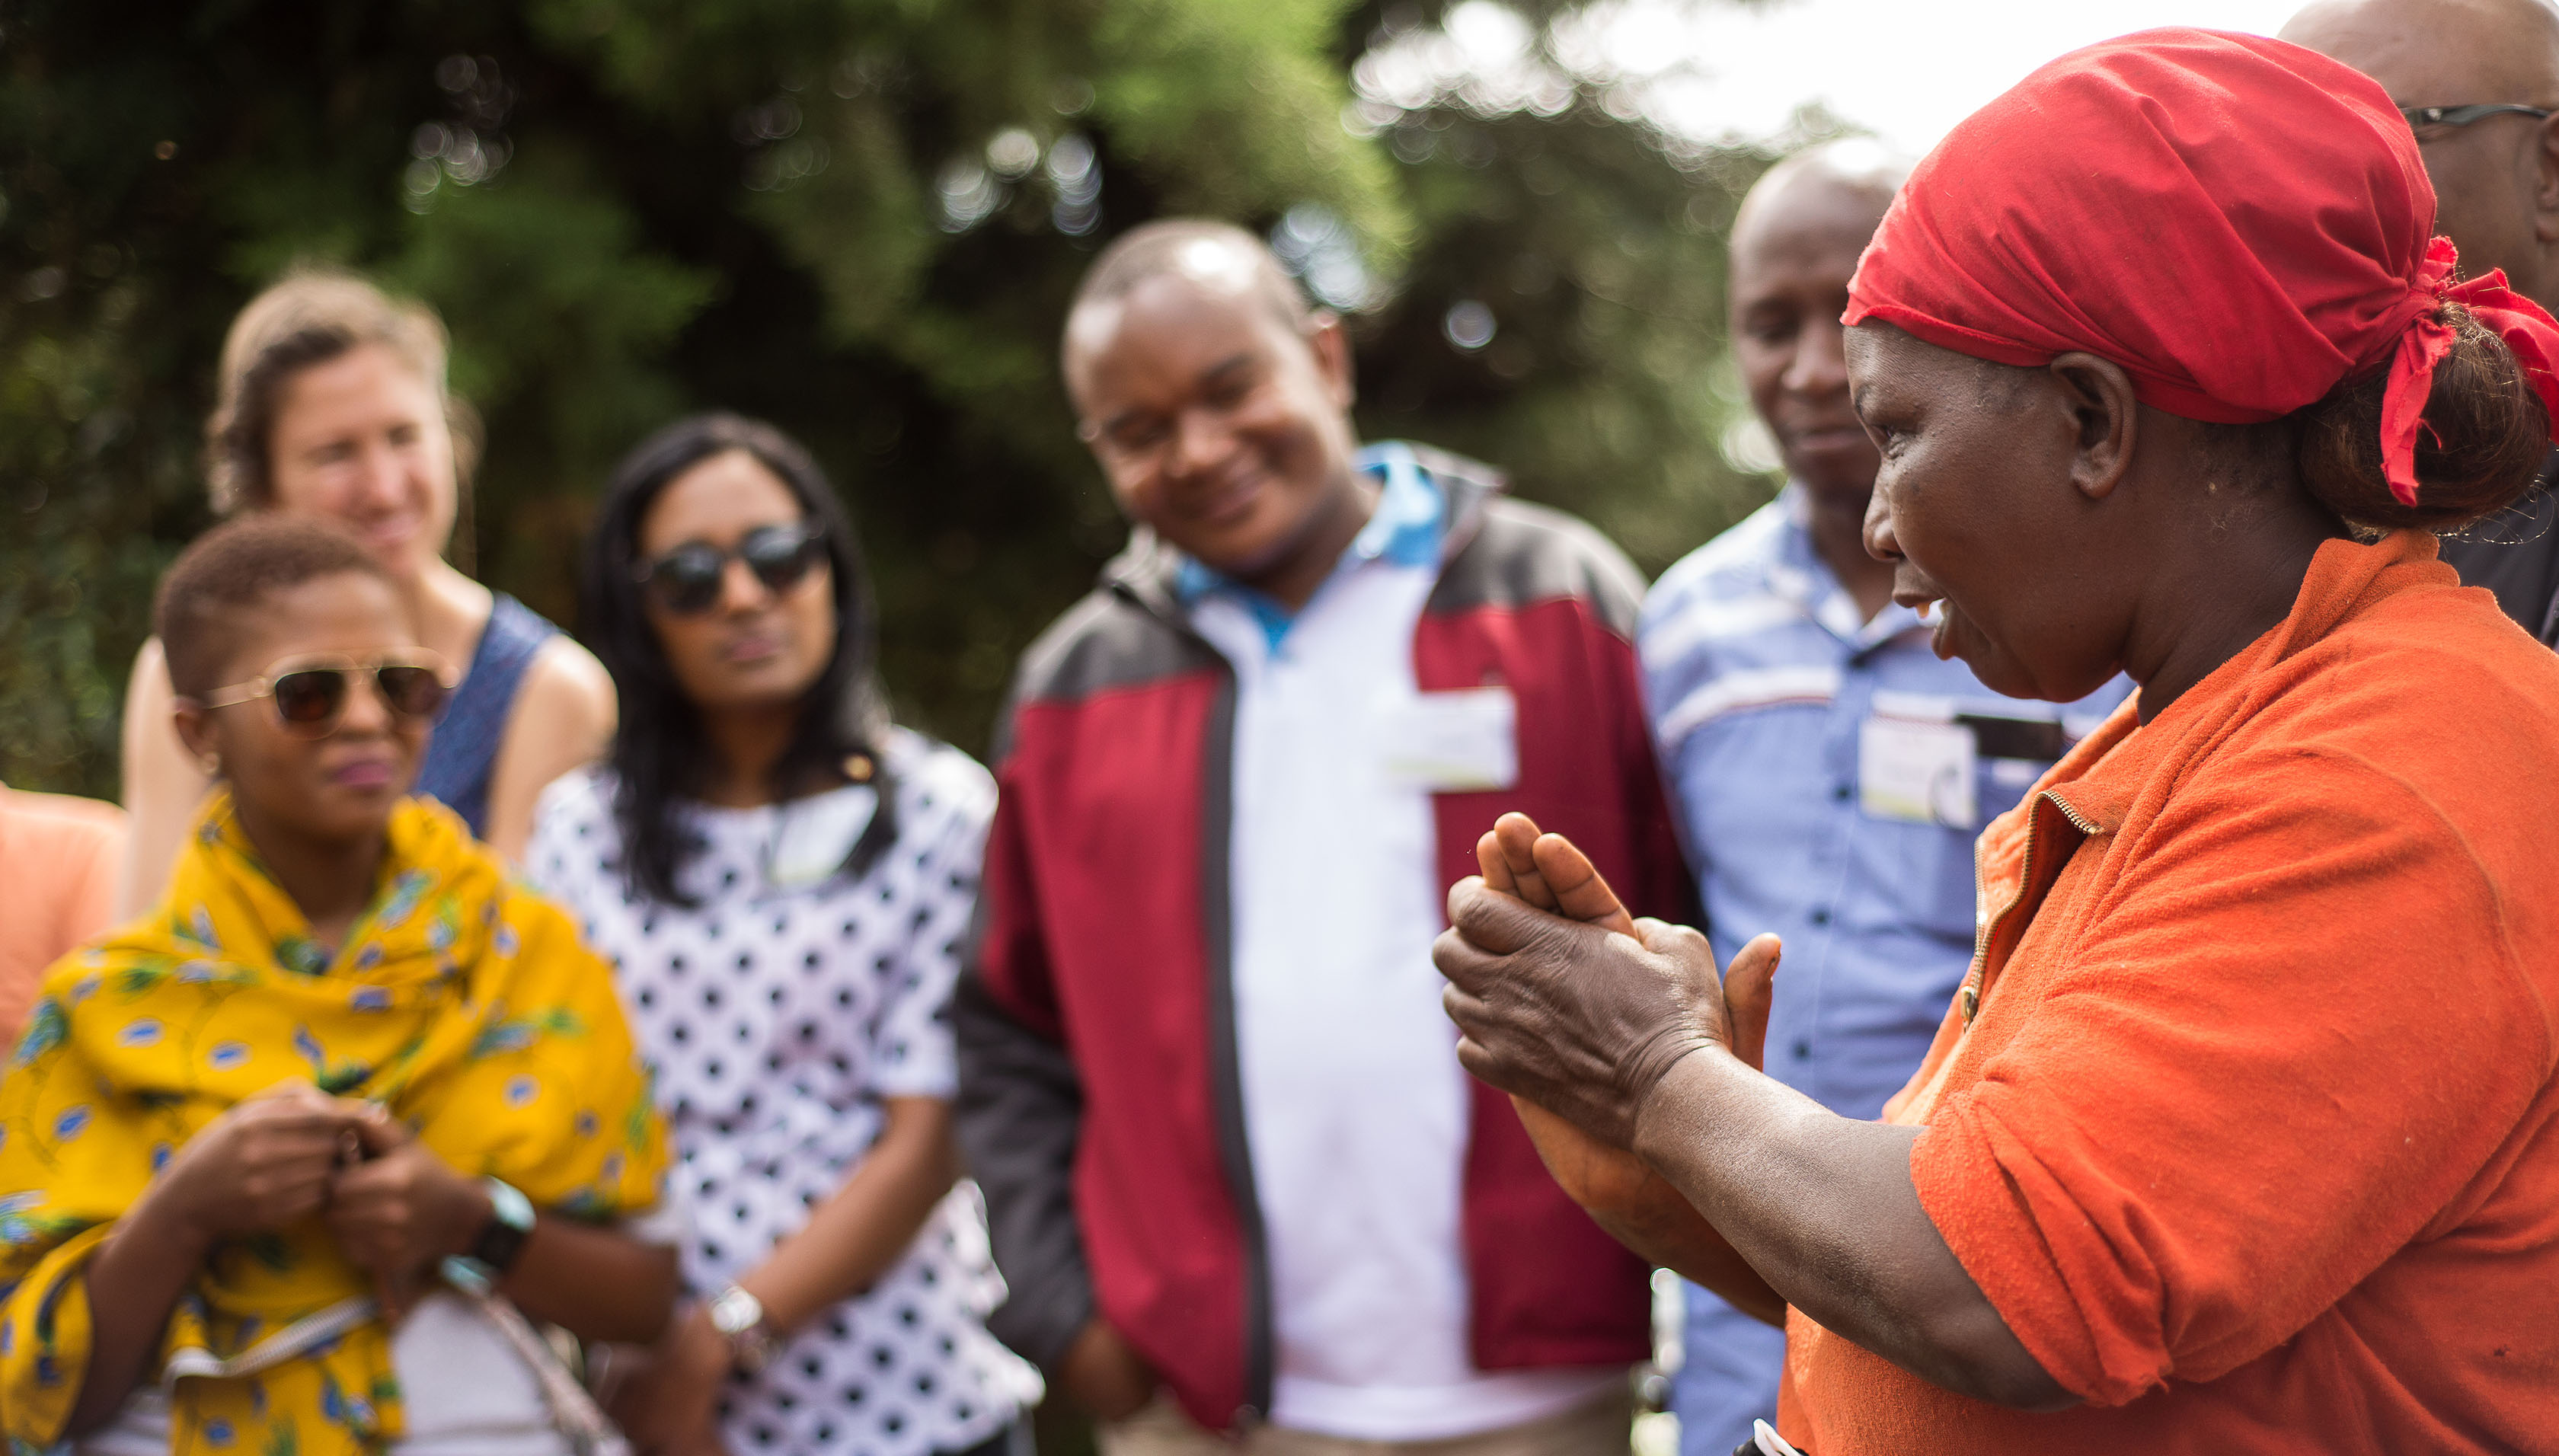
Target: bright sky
(1908,68)
(1717,69)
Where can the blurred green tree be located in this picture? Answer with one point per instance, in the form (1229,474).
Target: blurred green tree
(859,219)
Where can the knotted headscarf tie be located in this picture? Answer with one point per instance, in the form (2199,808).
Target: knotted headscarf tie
(2515,319)
(2240,223)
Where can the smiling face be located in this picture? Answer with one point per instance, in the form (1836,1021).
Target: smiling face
(1218,424)
(1994,500)
(1794,248)
(753,648)
(360,441)
(335,790)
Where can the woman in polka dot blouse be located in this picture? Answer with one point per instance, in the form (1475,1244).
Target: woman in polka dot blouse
(784,880)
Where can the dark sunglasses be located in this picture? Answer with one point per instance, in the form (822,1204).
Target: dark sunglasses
(686,580)
(310,693)
(2464,115)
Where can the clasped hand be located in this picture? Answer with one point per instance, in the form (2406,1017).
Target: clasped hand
(394,1208)
(1574,1008)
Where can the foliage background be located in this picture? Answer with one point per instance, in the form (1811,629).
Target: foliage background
(859,219)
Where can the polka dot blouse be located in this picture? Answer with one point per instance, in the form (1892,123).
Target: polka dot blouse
(776,1020)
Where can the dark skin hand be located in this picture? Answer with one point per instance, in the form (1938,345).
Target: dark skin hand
(1619,1190)
(1626,1038)
(277,1159)
(1104,1375)
(402,1211)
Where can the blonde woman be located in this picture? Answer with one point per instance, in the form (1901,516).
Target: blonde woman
(333,405)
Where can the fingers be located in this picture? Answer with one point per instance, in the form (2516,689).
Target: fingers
(1487,922)
(1480,1064)
(1465,1009)
(1497,870)
(375,1129)
(1516,835)
(286,1196)
(1749,986)
(1547,872)
(1579,891)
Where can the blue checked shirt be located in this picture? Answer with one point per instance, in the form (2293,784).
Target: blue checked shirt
(1760,676)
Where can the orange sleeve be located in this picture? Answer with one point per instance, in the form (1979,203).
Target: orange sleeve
(65,867)
(91,861)
(2289,1036)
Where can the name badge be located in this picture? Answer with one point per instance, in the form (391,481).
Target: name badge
(1452,742)
(811,837)
(1916,770)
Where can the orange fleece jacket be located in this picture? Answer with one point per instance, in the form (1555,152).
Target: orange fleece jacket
(2244,1118)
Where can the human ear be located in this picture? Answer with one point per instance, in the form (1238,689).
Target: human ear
(195,730)
(1331,345)
(2106,413)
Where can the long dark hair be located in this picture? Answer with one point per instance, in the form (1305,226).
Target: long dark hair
(660,750)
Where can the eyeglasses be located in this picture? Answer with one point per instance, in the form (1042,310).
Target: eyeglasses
(2464,115)
(687,579)
(310,693)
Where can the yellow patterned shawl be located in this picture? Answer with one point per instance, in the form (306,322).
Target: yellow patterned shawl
(465,1003)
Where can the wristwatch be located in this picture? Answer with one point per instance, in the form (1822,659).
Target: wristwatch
(480,1267)
(740,1318)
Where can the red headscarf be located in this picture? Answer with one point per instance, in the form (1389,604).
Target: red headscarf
(2240,223)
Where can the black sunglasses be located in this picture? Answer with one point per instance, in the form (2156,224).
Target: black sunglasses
(686,580)
(2464,115)
(310,693)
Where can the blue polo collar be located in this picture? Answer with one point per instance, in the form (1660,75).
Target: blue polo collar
(1408,529)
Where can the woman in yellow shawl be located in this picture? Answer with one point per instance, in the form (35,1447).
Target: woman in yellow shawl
(281,1162)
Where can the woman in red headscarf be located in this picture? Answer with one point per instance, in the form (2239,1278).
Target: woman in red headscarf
(2242,1134)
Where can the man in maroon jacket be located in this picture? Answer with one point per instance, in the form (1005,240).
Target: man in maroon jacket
(1237,1179)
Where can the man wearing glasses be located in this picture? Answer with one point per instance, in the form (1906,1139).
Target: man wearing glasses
(2478,81)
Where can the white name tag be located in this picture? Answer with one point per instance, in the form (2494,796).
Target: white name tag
(1916,770)
(1452,742)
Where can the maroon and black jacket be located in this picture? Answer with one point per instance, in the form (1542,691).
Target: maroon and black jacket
(1099,1104)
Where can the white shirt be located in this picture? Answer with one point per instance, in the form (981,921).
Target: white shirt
(1355,1108)
(777,1019)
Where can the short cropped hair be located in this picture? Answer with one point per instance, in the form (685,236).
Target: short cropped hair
(310,317)
(232,568)
(1151,249)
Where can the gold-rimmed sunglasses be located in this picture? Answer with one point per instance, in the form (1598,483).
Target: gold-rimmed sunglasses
(310,692)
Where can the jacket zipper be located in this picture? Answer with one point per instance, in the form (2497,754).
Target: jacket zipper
(1226,1084)
(1969,998)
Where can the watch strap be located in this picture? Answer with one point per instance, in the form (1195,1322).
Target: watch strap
(500,1243)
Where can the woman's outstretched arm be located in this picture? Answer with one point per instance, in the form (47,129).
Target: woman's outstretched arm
(1629,1040)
